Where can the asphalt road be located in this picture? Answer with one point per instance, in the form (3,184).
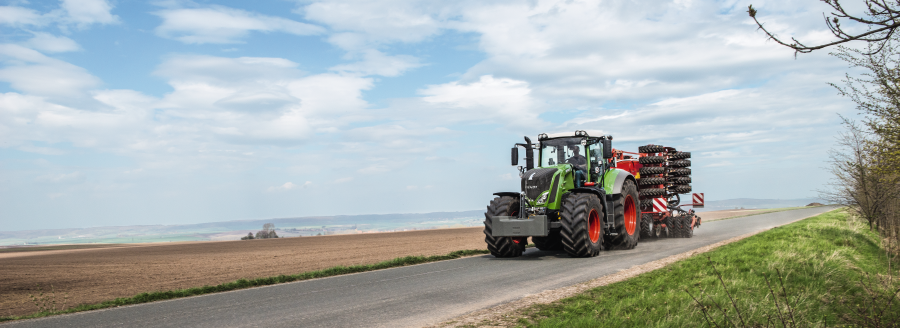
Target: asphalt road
(408,296)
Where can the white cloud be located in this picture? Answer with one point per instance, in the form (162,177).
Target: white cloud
(34,73)
(375,62)
(218,24)
(86,12)
(361,24)
(80,13)
(50,43)
(19,16)
(61,178)
(290,186)
(497,100)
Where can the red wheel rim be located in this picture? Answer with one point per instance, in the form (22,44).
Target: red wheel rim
(594,226)
(630,215)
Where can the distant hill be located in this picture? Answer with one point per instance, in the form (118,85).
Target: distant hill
(728,204)
(305,226)
(233,230)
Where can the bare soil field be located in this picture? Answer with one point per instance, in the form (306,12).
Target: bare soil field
(96,274)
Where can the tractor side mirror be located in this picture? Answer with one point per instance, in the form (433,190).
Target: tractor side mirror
(515,156)
(607,148)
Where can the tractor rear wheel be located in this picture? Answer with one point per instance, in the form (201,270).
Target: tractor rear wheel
(552,242)
(503,246)
(627,213)
(582,225)
(647,226)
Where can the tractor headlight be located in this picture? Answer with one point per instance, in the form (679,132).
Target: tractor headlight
(542,199)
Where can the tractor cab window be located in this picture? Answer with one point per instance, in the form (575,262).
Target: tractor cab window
(561,151)
(596,158)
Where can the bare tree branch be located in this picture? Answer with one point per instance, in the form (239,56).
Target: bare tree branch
(882,19)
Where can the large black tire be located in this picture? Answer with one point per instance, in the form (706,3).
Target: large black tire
(680,172)
(649,170)
(651,192)
(502,246)
(669,230)
(679,163)
(647,226)
(651,160)
(582,225)
(652,181)
(680,155)
(681,189)
(553,242)
(686,230)
(651,149)
(627,214)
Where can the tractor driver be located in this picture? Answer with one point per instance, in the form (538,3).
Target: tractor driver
(579,161)
(580,164)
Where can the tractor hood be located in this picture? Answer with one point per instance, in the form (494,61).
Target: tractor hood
(539,180)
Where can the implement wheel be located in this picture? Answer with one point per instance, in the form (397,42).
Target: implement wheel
(648,226)
(503,246)
(687,231)
(582,226)
(627,213)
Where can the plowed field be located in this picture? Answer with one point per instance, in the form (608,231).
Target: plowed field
(97,274)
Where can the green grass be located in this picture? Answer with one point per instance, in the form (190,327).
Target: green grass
(821,259)
(244,283)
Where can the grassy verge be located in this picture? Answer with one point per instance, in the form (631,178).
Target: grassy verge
(245,283)
(818,261)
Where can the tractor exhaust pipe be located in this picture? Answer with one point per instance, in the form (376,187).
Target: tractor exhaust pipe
(529,155)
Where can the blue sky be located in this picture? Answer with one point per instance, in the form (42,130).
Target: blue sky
(169,112)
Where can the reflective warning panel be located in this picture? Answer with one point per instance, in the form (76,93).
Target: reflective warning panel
(659,205)
(698,200)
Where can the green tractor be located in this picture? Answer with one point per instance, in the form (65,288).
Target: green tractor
(574,200)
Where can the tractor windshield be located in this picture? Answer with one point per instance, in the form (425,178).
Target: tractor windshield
(561,151)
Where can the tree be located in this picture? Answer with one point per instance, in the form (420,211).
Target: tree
(857,182)
(248,236)
(877,95)
(882,19)
(268,231)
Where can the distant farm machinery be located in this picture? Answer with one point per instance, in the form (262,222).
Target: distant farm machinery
(585,196)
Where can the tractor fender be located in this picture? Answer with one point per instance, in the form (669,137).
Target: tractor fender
(507,193)
(615,179)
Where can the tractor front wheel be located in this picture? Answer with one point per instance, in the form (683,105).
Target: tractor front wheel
(582,225)
(502,246)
